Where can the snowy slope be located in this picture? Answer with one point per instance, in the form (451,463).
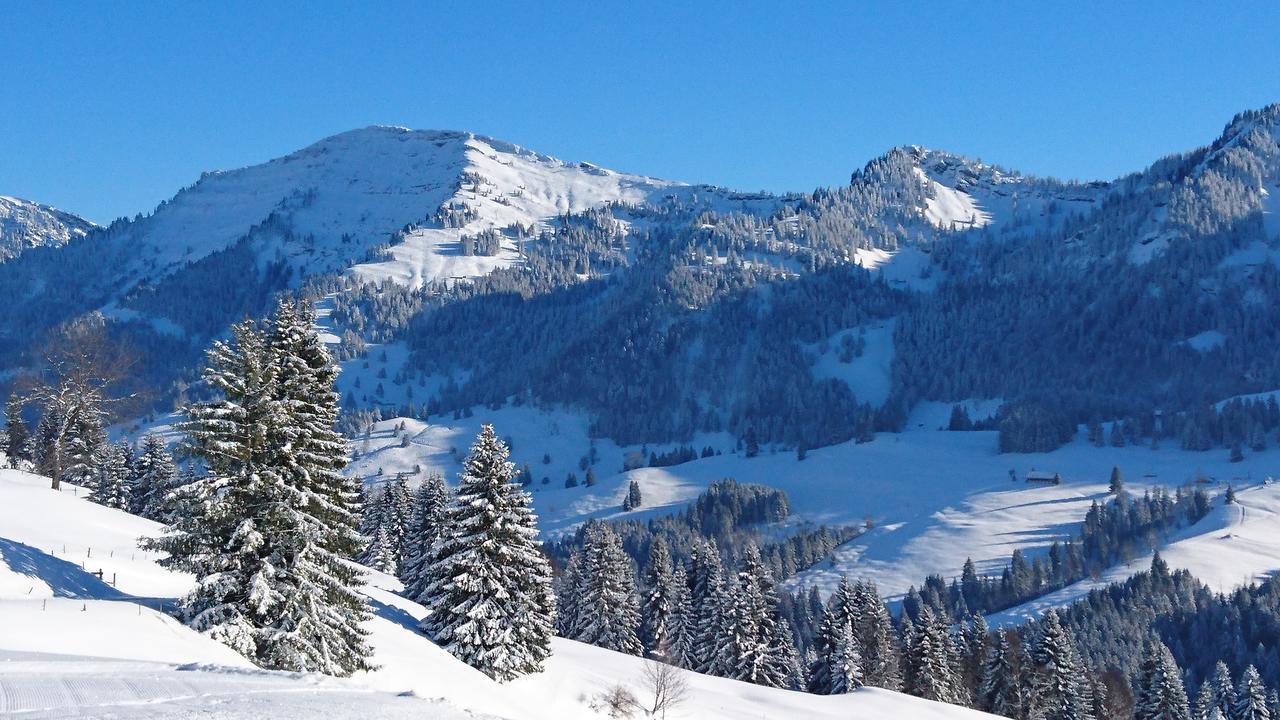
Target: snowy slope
(25,225)
(964,193)
(73,646)
(1233,545)
(935,497)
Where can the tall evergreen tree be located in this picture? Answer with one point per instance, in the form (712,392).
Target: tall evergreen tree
(111,481)
(1251,697)
(658,603)
(998,689)
(844,664)
(1160,695)
(682,626)
(489,590)
(17,436)
(605,609)
(154,476)
(425,528)
(875,637)
(933,662)
(1057,674)
(267,530)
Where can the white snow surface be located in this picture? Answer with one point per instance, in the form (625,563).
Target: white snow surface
(71,645)
(867,375)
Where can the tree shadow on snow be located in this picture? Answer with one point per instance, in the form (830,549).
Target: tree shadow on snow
(67,579)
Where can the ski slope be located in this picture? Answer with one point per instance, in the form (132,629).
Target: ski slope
(72,645)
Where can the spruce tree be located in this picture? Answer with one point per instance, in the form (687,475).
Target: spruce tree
(17,436)
(111,481)
(682,626)
(606,611)
(1251,697)
(489,585)
(875,638)
(998,687)
(154,476)
(425,527)
(1057,678)
(705,598)
(933,662)
(1219,690)
(267,530)
(658,603)
(1160,694)
(844,664)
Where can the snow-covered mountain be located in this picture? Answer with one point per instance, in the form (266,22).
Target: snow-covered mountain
(25,225)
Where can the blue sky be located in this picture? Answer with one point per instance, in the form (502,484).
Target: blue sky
(108,108)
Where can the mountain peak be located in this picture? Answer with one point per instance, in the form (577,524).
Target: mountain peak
(25,224)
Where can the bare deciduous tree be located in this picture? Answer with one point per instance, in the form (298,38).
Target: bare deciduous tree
(667,684)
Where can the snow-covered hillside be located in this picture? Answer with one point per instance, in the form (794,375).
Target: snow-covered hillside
(25,225)
(74,645)
(935,497)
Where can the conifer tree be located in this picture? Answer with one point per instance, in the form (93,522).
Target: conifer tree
(154,476)
(1057,678)
(682,627)
(1251,697)
(998,688)
(705,598)
(602,592)
(658,603)
(875,638)
(1160,695)
(111,481)
(489,588)
(1219,691)
(266,531)
(633,499)
(425,527)
(844,664)
(932,659)
(17,436)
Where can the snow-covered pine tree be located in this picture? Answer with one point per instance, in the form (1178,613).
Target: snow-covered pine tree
(1251,697)
(379,524)
(932,657)
(1160,694)
(606,611)
(390,510)
(1221,692)
(265,532)
(319,624)
(755,633)
(489,589)
(154,476)
(706,582)
(634,499)
(17,436)
(842,608)
(429,503)
(83,437)
(998,687)
(111,484)
(875,638)
(681,627)
(658,605)
(1057,676)
(844,663)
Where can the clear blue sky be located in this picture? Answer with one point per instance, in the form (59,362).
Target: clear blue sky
(107,108)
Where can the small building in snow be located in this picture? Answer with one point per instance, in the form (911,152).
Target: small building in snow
(1043,477)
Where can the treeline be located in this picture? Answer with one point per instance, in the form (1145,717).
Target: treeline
(731,515)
